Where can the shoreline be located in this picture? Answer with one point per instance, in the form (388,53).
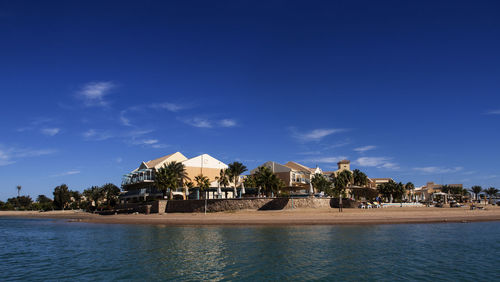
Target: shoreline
(306,216)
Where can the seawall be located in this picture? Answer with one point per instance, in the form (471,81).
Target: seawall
(220,205)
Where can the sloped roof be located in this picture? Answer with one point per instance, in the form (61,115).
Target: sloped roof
(155,162)
(344,162)
(299,167)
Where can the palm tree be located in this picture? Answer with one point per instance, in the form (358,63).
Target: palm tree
(492,191)
(321,183)
(235,169)
(189,186)
(476,190)
(170,176)
(359,178)
(410,187)
(202,182)
(18,190)
(268,181)
(223,179)
(342,180)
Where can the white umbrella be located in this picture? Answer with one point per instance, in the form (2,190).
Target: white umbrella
(311,190)
(219,192)
(242,189)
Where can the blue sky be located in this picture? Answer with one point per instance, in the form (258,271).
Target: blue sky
(407,90)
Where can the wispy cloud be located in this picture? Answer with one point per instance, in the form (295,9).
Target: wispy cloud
(146,110)
(70,172)
(199,122)
(50,131)
(93,93)
(314,135)
(365,148)
(227,123)
(36,123)
(378,162)
(9,155)
(172,107)
(326,160)
(493,112)
(438,170)
(208,123)
(96,135)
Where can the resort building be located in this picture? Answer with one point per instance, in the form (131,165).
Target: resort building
(140,183)
(425,192)
(295,176)
(375,182)
(341,166)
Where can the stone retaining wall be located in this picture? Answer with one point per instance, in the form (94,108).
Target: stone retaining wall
(219,205)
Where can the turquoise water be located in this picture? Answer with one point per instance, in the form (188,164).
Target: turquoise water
(34,249)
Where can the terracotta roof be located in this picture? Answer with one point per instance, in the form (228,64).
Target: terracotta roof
(299,167)
(344,162)
(157,161)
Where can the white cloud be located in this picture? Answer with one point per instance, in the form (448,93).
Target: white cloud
(124,120)
(71,172)
(493,112)
(199,122)
(227,123)
(365,148)
(169,107)
(438,170)
(93,93)
(327,160)
(11,154)
(50,131)
(315,135)
(148,141)
(379,162)
(95,135)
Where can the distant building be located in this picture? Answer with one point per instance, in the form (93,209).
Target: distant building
(424,193)
(295,176)
(341,166)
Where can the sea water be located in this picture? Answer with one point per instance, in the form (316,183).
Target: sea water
(57,250)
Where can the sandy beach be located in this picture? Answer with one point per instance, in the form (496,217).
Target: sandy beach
(282,217)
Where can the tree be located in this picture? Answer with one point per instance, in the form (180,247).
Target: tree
(18,190)
(410,187)
(391,190)
(94,194)
(359,178)
(250,181)
(45,203)
(342,180)
(110,192)
(399,190)
(170,176)
(202,182)
(492,191)
(268,181)
(76,199)
(235,169)
(62,196)
(20,202)
(189,186)
(322,184)
(476,190)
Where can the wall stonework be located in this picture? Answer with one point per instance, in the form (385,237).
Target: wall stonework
(220,205)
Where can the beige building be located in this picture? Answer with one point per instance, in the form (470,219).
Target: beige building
(140,182)
(295,176)
(425,192)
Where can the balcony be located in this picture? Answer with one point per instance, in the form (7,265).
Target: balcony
(139,176)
